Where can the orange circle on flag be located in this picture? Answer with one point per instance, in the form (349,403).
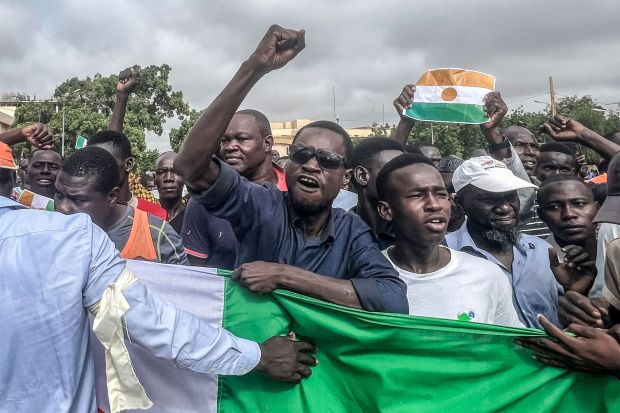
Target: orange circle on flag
(448,94)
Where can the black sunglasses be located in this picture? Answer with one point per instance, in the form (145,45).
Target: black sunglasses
(328,160)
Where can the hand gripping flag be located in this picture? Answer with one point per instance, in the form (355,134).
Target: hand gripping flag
(451,95)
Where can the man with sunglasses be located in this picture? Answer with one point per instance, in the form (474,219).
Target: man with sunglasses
(292,240)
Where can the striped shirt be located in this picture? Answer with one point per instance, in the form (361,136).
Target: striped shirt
(531,224)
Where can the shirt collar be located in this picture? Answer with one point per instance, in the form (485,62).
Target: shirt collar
(9,203)
(328,234)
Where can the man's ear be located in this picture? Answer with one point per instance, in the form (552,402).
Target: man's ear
(346,179)
(385,211)
(129,164)
(268,143)
(113,195)
(361,175)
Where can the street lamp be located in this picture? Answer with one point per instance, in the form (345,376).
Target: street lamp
(62,139)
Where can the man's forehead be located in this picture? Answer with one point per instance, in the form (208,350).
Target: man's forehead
(242,123)
(74,184)
(46,156)
(555,157)
(566,190)
(419,174)
(322,138)
(166,161)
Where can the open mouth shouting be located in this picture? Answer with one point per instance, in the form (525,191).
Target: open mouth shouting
(308,183)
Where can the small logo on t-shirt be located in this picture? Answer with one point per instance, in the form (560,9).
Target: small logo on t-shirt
(466,316)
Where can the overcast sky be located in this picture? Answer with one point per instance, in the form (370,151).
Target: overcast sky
(367,49)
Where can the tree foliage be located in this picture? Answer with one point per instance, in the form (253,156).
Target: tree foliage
(87,105)
(178,135)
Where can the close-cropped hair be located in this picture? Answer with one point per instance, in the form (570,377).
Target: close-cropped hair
(401,161)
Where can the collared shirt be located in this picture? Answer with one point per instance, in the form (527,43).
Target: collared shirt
(535,288)
(55,266)
(268,229)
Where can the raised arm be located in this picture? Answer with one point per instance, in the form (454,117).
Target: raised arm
(496,109)
(406,124)
(38,135)
(565,129)
(128,79)
(193,163)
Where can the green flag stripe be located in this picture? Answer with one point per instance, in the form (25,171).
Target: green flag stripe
(374,362)
(447,112)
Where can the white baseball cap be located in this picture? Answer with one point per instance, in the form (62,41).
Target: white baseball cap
(487,174)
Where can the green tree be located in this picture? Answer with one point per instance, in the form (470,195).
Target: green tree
(178,135)
(88,103)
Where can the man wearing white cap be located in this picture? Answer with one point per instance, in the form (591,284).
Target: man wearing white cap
(487,192)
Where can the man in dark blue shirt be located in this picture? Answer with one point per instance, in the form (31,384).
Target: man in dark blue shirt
(293,240)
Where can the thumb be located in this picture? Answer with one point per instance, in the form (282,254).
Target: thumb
(553,258)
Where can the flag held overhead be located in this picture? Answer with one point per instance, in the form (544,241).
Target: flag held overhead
(451,96)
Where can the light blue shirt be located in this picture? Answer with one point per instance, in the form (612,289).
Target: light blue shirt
(53,267)
(534,286)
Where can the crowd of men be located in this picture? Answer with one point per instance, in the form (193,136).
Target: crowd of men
(515,235)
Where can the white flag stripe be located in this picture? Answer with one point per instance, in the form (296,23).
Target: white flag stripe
(195,290)
(432,94)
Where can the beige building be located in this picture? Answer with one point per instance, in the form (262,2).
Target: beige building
(284,132)
(7,117)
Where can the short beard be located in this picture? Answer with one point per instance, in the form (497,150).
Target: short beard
(309,209)
(502,238)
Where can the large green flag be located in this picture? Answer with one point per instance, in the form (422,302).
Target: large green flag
(371,362)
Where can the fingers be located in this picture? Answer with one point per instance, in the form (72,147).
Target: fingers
(236,274)
(554,331)
(584,331)
(306,358)
(583,303)
(304,371)
(572,314)
(304,347)
(553,257)
(549,130)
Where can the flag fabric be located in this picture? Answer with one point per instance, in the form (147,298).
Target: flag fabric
(369,362)
(80,142)
(451,95)
(32,200)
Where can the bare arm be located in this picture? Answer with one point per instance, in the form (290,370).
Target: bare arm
(37,134)
(406,124)
(564,129)
(277,48)
(496,109)
(128,79)
(263,277)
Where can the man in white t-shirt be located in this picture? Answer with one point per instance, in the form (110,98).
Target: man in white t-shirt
(441,282)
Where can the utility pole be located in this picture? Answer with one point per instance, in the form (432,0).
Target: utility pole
(383,123)
(554,108)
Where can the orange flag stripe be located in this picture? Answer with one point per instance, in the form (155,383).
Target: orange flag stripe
(456,77)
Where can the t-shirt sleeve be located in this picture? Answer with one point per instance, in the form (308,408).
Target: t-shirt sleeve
(195,232)
(611,290)
(376,282)
(105,263)
(170,246)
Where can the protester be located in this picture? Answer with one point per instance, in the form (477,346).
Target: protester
(568,208)
(446,169)
(21,173)
(525,145)
(441,282)
(368,159)
(148,181)
(487,192)
(88,182)
(117,144)
(7,170)
(132,191)
(55,270)
(43,168)
(170,187)
(555,158)
(295,240)
(427,149)
(246,146)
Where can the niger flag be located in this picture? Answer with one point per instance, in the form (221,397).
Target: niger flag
(451,95)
